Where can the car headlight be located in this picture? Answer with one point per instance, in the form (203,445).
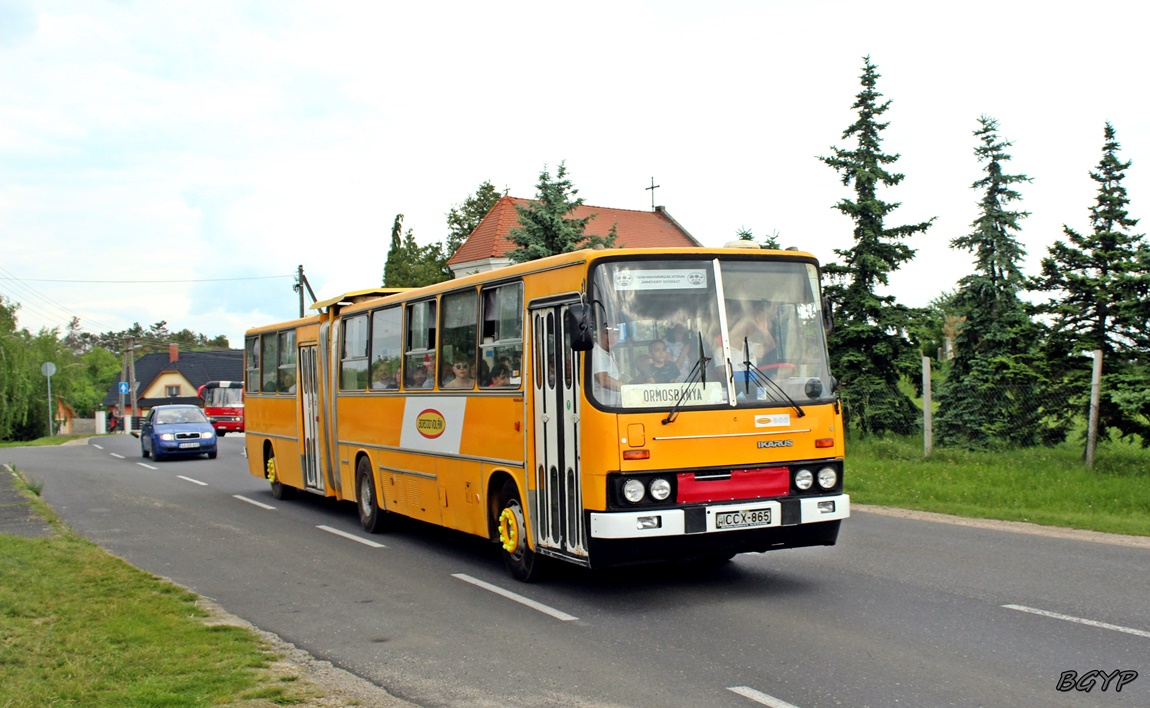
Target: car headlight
(167,436)
(660,489)
(804,479)
(633,491)
(211,434)
(828,477)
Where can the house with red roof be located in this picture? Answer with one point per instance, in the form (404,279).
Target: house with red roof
(486,248)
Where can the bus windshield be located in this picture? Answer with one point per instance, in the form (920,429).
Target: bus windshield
(752,328)
(223,397)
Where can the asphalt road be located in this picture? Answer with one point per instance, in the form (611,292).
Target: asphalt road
(901,612)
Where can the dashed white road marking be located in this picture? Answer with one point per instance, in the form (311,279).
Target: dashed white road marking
(253,502)
(1079,620)
(353,537)
(760,697)
(115,455)
(141,464)
(557,614)
(98,447)
(193,481)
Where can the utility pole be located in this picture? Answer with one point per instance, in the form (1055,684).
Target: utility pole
(131,385)
(300,284)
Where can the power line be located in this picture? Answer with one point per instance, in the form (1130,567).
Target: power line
(132,282)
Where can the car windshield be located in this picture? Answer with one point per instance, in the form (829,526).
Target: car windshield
(180,415)
(756,323)
(220,397)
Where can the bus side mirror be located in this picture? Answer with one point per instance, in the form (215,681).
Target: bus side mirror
(579,327)
(828,316)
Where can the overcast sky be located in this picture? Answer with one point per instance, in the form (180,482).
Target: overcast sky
(178,160)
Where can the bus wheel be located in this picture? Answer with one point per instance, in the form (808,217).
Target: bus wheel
(370,515)
(279,489)
(523,563)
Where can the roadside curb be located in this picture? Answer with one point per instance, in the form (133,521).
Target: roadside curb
(1113,539)
(17,517)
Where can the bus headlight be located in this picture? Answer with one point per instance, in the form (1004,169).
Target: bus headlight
(804,479)
(828,477)
(660,489)
(633,491)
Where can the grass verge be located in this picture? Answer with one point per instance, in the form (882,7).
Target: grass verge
(1049,486)
(81,627)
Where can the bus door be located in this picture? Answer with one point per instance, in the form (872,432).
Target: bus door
(557,500)
(308,379)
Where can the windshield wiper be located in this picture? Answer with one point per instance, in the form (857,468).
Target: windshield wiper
(762,379)
(698,373)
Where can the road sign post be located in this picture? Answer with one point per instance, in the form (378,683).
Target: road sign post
(48,368)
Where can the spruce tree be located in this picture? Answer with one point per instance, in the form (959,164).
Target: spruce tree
(869,353)
(993,391)
(544,227)
(410,265)
(1100,283)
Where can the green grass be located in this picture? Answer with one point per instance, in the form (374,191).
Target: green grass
(81,627)
(42,442)
(1049,486)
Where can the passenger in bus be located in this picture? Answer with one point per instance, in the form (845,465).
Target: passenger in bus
(605,377)
(384,380)
(677,348)
(660,368)
(417,377)
(464,375)
(500,376)
(756,327)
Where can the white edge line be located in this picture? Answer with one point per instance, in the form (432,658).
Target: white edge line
(253,502)
(1079,620)
(563,616)
(353,537)
(141,464)
(115,455)
(193,481)
(760,697)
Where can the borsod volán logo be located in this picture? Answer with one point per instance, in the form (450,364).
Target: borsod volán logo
(430,423)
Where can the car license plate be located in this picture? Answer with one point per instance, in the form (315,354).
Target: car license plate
(742,518)
(187,445)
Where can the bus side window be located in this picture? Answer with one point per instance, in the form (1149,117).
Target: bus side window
(252,368)
(353,361)
(269,362)
(460,311)
(419,357)
(501,345)
(287,362)
(386,339)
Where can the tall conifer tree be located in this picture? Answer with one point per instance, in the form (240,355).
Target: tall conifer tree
(544,227)
(869,353)
(1100,284)
(993,390)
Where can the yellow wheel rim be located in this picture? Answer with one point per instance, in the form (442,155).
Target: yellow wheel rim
(272,470)
(509,530)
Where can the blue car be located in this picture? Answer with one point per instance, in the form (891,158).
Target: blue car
(170,431)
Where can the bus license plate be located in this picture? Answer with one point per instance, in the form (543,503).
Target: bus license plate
(742,519)
(187,445)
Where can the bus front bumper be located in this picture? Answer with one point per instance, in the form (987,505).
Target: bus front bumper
(714,531)
(719,518)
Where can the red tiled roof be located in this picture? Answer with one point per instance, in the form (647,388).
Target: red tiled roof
(635,229)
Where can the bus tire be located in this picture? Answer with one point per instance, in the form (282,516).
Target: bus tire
(523,563)
(279,489)
(370,515)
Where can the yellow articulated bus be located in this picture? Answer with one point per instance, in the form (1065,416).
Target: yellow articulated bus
(601,407)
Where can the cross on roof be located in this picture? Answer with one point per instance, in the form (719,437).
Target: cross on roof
(653,187)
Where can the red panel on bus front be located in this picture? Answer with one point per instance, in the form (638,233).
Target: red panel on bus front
(757,483)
